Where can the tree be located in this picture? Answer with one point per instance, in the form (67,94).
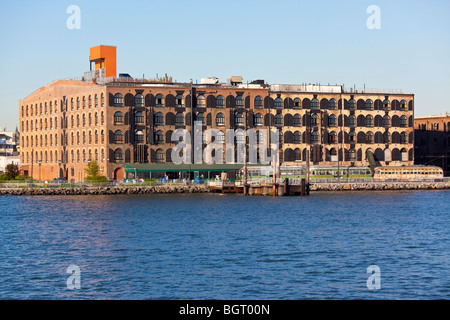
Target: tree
(12,171)
(93,173)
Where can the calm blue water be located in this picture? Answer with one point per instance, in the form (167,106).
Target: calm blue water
(227,247)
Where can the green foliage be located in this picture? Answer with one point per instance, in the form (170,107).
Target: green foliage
(93,173)
(12,171)
(3,177)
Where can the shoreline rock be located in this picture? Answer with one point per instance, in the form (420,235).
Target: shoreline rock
(379,186)
(120,190)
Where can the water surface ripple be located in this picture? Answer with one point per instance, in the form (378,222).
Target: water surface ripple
(227,247)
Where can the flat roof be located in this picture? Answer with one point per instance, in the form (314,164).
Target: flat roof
(171,167)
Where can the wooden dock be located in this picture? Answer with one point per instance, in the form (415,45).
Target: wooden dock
(283,187)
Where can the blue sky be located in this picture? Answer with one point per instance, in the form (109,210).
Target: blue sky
(284,41)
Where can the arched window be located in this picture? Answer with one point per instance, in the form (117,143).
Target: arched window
(90,101)
(160,155)
(369,137)
(352,137)
(159,137)
(139,118)
(118,118)
(278,120)
(314,120)
(403,138)
(220,138)
(102,100)
(118,100)
(369,121)
(239,101)
(159,119)
(258,119)
(332,137)
(159,100)
(332,104)
(403,121)
(314,137)
(139,137)
(139,100)
(220,102)
(297,120)
(84,102)
(278,103)
(118,155)
(220,119)
(297,137)
(259,102)
(314,104)
(332,120)
(200,117)
(351,104)
(179,100)
(386,104)
(118,136)
(96,101)
(369,105)
(239,119)
(179,119)
(403,105)
(201,101)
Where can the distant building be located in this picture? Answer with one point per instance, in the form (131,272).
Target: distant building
(432,141)
(9,153)
(121,121)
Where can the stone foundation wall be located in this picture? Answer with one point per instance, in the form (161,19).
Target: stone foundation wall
(379,186)
(103,190)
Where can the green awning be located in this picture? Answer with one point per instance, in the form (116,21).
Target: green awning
(170,167)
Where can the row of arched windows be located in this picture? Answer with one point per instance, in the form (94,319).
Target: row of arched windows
(296,137)
(296,120)
(81,103)
(76,156)
(84,120)
(74,104)
(353,155)
(259,102)
(79,138)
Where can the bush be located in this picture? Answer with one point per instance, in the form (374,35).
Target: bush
(97,179)
(23,178)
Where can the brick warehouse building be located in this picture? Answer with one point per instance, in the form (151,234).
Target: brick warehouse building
(120,120)
(432,141)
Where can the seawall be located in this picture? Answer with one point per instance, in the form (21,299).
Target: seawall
(171,189)
(103,190)
(370,186)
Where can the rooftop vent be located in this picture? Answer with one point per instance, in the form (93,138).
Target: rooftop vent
(234,80)
(210,80)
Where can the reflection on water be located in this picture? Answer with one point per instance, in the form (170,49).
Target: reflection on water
(226,247)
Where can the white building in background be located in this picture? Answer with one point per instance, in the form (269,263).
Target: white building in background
(9,150)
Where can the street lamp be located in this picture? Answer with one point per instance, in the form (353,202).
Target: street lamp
(40,163)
